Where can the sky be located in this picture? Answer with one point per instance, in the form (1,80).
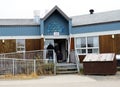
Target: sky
(12,9)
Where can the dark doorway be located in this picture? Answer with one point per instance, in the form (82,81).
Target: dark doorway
(62,46)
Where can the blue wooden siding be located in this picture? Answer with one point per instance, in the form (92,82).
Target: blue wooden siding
(96,28)
(19,30)
(56,23)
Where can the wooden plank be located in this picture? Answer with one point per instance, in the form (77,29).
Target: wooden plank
(106,44)
(72,44)
(117,43)
(8,46)
(32,44)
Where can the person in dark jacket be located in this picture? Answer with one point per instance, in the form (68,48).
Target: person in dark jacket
(50,49)
(59,56)
(50,46)
(56,48)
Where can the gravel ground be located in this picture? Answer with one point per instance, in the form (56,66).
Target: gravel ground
(66,81)
(105,77)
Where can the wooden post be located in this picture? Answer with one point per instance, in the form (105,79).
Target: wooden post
(42,44)
(34,66)
(13,67)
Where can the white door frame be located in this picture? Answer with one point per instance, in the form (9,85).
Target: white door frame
(59,37)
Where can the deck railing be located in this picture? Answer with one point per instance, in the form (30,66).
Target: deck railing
(77,61)
(74,58)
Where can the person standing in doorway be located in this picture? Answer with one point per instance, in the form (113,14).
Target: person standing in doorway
(56,48)
(59,56)
(50,49)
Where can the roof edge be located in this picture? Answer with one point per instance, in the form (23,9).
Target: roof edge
(59,10)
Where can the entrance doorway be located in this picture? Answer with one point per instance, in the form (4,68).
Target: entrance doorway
(59,44)
(62,47)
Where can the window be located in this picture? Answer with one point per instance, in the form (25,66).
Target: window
(85,45)
(20,45)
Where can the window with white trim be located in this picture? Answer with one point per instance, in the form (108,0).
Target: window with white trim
(85,45)
(20,45)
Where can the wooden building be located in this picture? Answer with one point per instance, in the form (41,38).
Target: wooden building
(85,34)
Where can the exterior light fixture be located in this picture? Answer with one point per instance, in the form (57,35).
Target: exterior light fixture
(3,41)
(113,36)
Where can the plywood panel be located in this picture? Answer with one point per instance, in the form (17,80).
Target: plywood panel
(42,43)
(106,44)
(37,44)
(117,43)
(72,44)
(29,44)
(109,44)
(8,46)
(32,44)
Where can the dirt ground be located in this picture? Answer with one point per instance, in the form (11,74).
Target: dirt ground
(71,80)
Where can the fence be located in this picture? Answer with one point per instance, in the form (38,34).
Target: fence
(37,54)
(27,63)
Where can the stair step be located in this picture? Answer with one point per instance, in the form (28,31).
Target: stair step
(66,72)
(65,64)
(64,68)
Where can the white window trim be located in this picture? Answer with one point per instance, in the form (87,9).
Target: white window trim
(21,46)
(86,45)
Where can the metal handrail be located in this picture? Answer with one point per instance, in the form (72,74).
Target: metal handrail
(77,61)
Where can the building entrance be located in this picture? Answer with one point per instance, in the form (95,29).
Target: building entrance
(60,46)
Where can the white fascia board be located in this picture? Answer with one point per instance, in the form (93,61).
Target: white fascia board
(20,37)
(56,37)
(96,33)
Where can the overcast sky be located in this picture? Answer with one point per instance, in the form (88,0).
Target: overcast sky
(25,8)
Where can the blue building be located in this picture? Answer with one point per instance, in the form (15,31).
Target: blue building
(85,34)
